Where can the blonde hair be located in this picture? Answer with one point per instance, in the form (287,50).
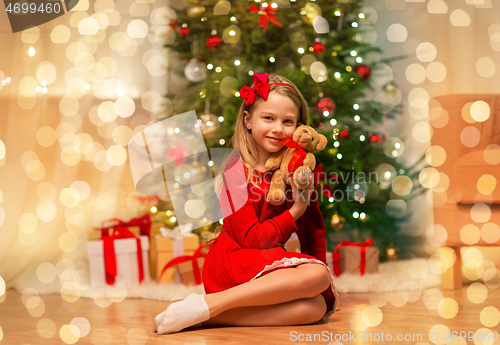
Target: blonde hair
(242,140)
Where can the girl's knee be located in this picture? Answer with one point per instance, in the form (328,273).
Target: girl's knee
(316,279)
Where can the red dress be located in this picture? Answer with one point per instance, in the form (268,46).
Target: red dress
(252,238)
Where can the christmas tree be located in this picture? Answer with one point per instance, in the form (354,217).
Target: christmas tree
(325,48)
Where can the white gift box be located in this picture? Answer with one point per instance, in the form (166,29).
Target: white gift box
(127,265)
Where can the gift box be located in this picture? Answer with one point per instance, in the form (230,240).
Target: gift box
(189,267)
(355,258)
(293,244)
(187,271)
(168,245)
(127,266)
(155,230)
(140,226)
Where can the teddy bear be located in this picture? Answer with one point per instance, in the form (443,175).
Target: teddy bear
(297,158)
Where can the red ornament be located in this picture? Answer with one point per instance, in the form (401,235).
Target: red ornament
(334,177)
(376,138)
(364,71)
(185,30)
(327,191)
(344,134)
(318,47)
(266,15)
(213,41)
(325,105)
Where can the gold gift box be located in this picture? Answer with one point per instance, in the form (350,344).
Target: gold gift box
(186,270)
(350,259)
(164,252)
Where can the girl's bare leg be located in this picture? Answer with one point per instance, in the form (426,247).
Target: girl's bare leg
(298,312)
(288,284)
(305,281)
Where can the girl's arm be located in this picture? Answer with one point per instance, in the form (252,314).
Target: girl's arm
(241,220)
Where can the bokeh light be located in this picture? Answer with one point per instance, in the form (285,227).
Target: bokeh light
(397,33)
(477,293)
(46,272)
(437,7)
(415,73)
(60,34)
(480,111)
(470,136)
(2,286)
(435,155)
(470,234)
(447,308)
(426,52)
(490,316)
(460,18)
(46,328)
(486,184)
(436,72)
(69,334)
(480,213)
(485,67)
(490,232)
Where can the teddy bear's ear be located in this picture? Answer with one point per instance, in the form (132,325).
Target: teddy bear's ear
(322,143)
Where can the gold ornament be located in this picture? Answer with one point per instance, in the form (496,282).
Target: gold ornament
(332,151)
(195,11)
(391,252)
(335,133)
(338,222)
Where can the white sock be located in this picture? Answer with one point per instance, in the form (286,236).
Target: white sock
(179,315)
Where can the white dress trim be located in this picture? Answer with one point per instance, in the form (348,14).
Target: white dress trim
(294,261)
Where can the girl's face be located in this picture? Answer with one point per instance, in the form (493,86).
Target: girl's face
(272,122)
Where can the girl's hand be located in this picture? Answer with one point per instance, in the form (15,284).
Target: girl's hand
(300,199)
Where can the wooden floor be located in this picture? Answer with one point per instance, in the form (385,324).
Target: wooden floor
(29,321)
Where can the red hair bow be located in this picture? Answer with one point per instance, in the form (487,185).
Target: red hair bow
(261,88)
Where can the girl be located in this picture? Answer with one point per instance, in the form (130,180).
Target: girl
(248,276)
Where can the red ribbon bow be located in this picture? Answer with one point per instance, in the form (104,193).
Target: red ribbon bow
(120,231)
(298,156)
(362,248)
(261,88)
(266,15)
(193,258)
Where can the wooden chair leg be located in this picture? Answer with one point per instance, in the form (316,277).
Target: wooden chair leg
(451,279)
